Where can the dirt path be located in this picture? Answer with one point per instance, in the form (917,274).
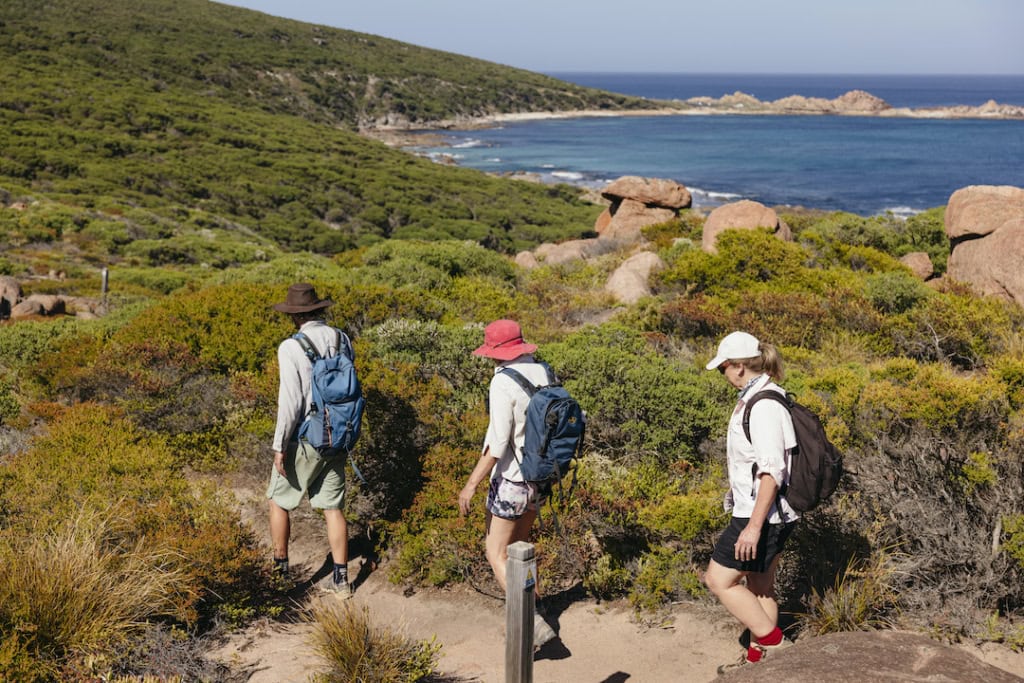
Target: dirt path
(599,643)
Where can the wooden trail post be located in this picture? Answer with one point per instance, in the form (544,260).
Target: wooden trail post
(104,286)
(520,582)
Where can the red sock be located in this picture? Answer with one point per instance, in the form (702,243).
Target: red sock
(773,638)
(754,654)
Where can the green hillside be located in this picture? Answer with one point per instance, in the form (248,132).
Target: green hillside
(198,116)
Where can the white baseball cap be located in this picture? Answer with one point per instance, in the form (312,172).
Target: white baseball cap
(735,346)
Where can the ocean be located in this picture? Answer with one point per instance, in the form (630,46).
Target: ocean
(863,165)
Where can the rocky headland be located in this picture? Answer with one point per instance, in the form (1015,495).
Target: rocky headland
(852,103)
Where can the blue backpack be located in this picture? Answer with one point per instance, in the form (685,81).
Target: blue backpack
(555,426)
(336,414)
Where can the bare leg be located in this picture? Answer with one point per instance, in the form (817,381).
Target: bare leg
(763,587)
(501,533)
(280,530)
(727,584)
(337,535)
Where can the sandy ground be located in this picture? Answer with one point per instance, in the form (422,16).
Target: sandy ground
(599,643)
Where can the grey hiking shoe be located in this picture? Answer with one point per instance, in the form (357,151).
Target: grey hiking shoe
(726,668)
(542,631)
(766,651)
(343,589)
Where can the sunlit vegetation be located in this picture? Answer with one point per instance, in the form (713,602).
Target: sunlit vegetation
(209,174)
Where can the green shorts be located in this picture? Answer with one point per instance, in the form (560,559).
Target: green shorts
(322,479)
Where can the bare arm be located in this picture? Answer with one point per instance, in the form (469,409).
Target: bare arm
(483,468)
(746,544)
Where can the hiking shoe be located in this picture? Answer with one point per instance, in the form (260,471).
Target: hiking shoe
(741,662)
(765,650)
(542,632)
(342,589)
(768,649)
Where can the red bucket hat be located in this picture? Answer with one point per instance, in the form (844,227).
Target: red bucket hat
(503,340)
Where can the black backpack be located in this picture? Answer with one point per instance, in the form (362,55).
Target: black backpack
(816,466)
(555,426)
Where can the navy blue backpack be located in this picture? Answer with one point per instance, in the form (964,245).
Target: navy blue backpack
(555,427)
(336,414)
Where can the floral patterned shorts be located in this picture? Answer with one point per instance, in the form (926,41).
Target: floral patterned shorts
(511,499)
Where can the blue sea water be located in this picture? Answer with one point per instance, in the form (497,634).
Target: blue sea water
(864,165)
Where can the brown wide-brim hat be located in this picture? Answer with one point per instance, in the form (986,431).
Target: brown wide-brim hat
(302,298)
(503,340)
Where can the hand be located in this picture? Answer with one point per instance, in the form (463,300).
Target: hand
(279,463)
(746,545)
(465,497)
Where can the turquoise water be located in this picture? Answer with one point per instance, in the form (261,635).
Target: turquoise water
(864,165)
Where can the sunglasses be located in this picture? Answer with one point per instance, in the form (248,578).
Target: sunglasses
(723,366)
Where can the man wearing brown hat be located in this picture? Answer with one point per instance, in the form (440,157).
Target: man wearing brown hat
(512,503)
(299,470)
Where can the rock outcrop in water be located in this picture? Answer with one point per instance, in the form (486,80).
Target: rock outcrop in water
(852,103)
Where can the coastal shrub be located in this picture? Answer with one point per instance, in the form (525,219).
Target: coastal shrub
(354,649)
(1013,538)
(744,258)
(281,268)
(854,241)
(895,291)
(608,579)
(664,575)
(24,344)
(685,517)
(434,544)
(939,436)
(429,265)
(156,281)
(640,405)
(688,227)
(954,327)
(699,316)
(484,299)
(435,350)
(564,296)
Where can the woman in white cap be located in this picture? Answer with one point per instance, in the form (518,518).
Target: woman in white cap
(742,569)
(512,503)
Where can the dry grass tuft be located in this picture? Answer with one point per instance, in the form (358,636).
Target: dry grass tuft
(355,650)
(863,598)
(75,594)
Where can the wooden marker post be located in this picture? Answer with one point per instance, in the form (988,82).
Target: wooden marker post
(520,582)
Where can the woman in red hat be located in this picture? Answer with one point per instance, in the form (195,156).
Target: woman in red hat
(512,503)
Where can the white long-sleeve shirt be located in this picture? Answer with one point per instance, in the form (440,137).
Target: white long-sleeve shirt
(771,439)
(506,432)
(295,391)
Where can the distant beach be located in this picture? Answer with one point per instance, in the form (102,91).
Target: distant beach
(866,164)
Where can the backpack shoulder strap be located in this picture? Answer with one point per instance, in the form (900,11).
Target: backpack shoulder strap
(764,393)
(527,386)
(553,380)
(307,346)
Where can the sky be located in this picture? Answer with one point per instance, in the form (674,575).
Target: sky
(711,36)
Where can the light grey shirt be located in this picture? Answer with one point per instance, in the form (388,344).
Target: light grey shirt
(295,391)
